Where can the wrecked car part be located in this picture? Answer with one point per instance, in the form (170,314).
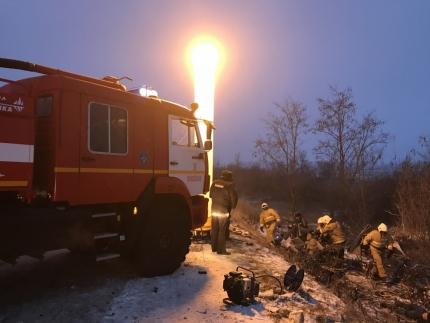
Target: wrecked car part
(278,236)
(290,275)
(357,241)
(293,278)
(300,275)
(410,310)
(397,247)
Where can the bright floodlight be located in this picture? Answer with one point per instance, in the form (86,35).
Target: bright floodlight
(144,91)
(205,57)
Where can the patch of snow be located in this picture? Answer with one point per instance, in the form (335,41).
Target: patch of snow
(190,296)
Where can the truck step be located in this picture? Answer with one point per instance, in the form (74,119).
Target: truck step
(102,215)
(105,235)
(107,256)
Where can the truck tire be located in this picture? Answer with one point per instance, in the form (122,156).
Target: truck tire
(164,241)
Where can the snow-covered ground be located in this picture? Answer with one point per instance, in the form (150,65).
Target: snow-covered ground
(195,293)
(60,289)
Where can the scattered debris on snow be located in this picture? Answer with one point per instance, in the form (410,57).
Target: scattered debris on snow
(195,293)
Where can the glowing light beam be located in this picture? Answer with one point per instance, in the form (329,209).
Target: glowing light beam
(205,60)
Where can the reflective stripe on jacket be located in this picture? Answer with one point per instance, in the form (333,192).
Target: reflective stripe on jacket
(223,195)
(375,239)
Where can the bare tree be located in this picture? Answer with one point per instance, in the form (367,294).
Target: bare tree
(424,152)
(413,199)
(337,123)
(368,146)
(352,146)
(281,145)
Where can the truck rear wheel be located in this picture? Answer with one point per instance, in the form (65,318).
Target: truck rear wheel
(165,239)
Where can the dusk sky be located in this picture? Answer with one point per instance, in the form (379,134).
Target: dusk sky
(274,50)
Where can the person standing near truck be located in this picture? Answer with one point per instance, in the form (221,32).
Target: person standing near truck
(224,200)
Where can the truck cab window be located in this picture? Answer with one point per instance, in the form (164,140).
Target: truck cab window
(107,129)
(184,133)
(44,106)
(118,130)
(179,133)
(193,136)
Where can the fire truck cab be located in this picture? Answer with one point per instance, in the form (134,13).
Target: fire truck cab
(89,166)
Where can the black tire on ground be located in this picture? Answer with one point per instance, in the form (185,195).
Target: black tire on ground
(164,241)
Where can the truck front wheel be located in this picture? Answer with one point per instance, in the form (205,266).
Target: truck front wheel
(164,241)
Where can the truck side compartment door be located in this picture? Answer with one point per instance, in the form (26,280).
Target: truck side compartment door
(44,149)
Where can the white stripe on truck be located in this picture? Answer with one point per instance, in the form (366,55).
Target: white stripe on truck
(17,153)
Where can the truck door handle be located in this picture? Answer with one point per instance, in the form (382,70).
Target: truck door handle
(199,156)
(88,158)
(174,163)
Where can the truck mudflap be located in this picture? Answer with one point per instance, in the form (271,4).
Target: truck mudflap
(16,142)
(199,211)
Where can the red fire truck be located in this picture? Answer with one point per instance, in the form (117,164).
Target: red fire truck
(89,166)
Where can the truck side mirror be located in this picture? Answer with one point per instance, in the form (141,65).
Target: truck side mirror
(209,132)
(208,145)
(209,128)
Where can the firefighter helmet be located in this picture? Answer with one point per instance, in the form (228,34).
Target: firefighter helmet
(264,205)
(325,219)
(227,175)
(382,227)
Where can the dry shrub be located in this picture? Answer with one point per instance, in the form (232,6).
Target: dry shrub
(413,200)
(317,190)
(417,250)
(246,213)
(246,216)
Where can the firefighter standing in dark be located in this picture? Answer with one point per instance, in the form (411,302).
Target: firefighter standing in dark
(298,227)
(224,200)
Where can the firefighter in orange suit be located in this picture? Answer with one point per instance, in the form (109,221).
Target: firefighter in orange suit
(224,200)
(269,219)
(332,231)
(378,240)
